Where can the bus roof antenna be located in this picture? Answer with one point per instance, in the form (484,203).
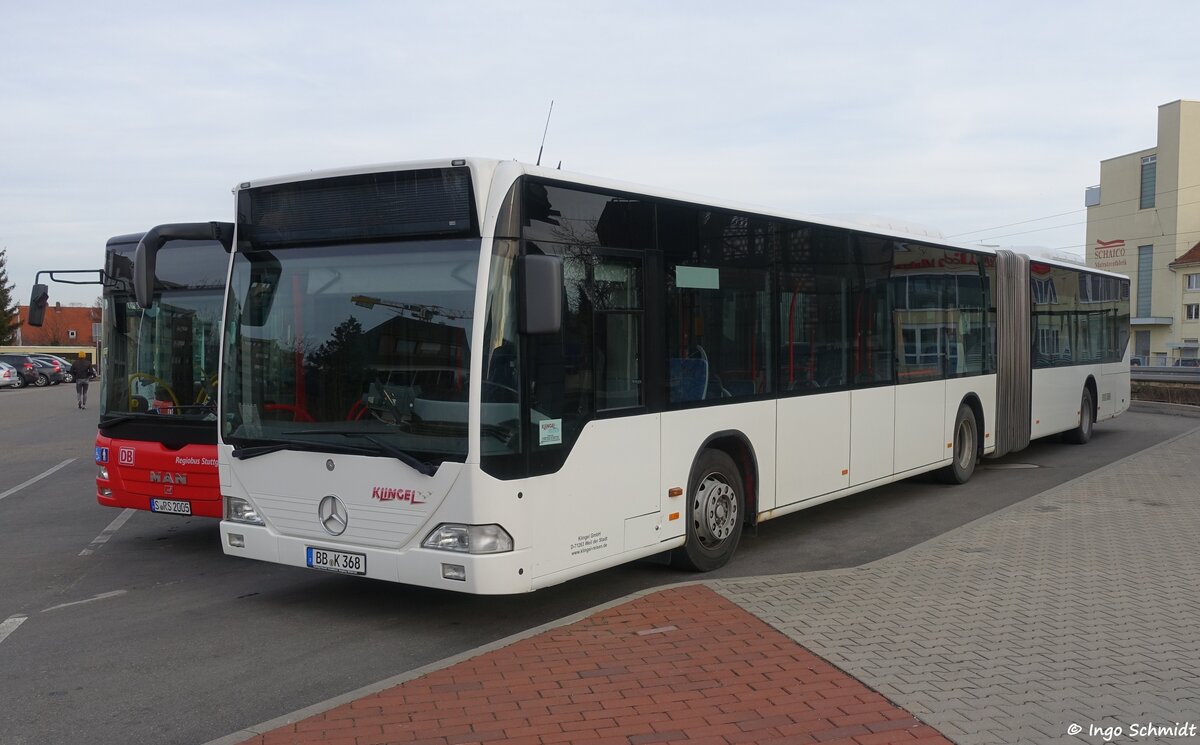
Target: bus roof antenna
(544,131)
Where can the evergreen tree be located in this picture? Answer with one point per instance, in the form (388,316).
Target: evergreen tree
(9,323)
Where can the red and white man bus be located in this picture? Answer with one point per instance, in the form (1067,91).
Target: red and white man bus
(492,377)
(156,445)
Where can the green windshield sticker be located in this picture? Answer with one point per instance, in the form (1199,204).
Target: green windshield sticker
(550,432)
(698,277)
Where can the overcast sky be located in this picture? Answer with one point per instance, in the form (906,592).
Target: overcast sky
(958,116)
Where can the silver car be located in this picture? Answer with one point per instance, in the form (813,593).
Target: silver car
(8,375)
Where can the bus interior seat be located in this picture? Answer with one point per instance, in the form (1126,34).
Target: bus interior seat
(689,379)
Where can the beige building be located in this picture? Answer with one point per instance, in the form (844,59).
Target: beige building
(1143,220)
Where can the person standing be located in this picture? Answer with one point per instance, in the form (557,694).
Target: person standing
(82,370)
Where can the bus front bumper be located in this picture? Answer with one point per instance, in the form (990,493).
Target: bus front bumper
(490,574)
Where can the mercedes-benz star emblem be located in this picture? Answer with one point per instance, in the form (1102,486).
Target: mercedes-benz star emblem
(333,516)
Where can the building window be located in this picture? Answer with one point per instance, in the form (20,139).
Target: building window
(1192,311)
(1144,280)
(71,334)
(1149,169)
(1193,281)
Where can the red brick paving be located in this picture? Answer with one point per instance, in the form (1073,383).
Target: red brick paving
(683,664)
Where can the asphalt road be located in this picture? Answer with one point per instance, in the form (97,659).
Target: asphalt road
(155,636)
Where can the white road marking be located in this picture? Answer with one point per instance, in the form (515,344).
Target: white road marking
(107,533)
(101,596)
(9,625)
(37,478)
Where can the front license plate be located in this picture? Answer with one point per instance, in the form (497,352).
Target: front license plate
(337,561)
(172,506)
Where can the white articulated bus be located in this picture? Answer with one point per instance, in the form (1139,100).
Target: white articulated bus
(491,377)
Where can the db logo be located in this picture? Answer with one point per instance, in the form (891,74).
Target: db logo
(126,456)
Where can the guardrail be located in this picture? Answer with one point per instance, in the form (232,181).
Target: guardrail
(1165,374)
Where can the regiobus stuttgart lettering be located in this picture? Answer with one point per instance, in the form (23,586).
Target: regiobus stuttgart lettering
(183,460)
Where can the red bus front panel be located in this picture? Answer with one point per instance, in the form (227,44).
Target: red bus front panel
(149,476)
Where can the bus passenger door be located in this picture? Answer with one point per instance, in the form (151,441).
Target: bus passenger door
(588,420)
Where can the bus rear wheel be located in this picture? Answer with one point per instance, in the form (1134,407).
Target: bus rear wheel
(715,512)
(966,448)
(1087,419)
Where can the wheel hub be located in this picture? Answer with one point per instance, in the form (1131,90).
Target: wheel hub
(715,510)
(964,444)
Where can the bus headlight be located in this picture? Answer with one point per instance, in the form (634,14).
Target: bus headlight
(469,539)
(239,510)
(103,473)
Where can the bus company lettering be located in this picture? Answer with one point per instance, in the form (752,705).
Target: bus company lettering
(388,494)
(166,477)
(585,544)
(182,460)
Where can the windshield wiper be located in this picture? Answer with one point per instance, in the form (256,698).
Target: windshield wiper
(116,420)
(500,432)
(389,449)
(253,451)
(112,420)
(381,446)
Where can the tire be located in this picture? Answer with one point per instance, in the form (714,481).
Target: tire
(966,448)
(715,513)
(1087,421)
(42,381)
(20,382)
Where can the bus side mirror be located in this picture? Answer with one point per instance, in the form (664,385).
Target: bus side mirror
(38,300)
(143,273)
(542,294)
(153,240)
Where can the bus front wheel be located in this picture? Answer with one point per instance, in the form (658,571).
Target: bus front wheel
(714,512)
(966,448)
(1082,433)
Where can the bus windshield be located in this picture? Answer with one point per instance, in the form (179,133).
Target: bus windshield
(362,346)
(162,361)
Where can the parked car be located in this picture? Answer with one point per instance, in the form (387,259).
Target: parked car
(27,370)
(63,365)
(1137,361)
(1188,362)
(8,375)
(49,372)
